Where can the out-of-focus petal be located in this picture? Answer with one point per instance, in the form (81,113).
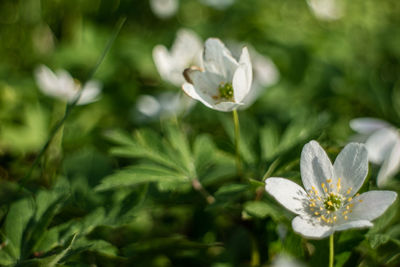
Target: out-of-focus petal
(380,143)
(164,8)
(368,125)
(390,166)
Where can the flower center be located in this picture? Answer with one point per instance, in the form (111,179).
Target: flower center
(332,203)
(226,91)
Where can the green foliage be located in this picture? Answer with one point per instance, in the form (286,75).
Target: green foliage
(164,190)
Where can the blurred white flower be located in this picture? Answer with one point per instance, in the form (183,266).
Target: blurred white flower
(326,9)
(62,86)
(225,82)
(330,202)
(383,144)
(185,51)
(164,8)
(218,4)
(283,260)
(164,105)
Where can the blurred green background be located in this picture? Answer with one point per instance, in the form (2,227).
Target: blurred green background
(331,71)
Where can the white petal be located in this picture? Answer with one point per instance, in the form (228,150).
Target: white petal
(245,60)
(148,105)
(326,9)
(218,59)
(311,228)
(164,8)
(203,86)
(373,204)
(90,93)
(226,106)
(390,166)
(353,224)
(315,167)
(380,143)
(239,84)
(265,71)
(187,49)
(368,125)
(351,166)
(191,91)
(46,80)
(289,194)
(67,88)
(162,60)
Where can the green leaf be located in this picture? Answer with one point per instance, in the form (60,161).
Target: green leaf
(16,222)
(377,240)
(140,174)
(231,189)
(269,139)
(179,143)
(260,209)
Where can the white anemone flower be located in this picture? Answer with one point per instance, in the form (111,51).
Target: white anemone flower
(62,86)
(383,144)
(326,9)
(164,105)
(224,83)
(329,201)
(164,9)
(185,52)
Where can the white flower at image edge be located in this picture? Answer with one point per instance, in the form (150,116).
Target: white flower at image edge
(224,83)
(383,144)
(329,201)
(62,86)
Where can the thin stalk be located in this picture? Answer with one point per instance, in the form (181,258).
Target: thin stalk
(71,105)
(237,138)
(331,250)
(199,187)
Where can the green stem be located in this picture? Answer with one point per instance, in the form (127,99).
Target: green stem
(71,105)
(331,251)
(237,138)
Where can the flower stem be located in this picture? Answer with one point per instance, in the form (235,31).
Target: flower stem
(72,105)
(199,187)
(237,138)
(331,250)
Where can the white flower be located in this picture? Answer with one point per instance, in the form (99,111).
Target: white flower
(224,83)
(283,260)
(326,9)
(62,86)
(383,144)
(185,51)
(329,202)
(164,8)
(165,105)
